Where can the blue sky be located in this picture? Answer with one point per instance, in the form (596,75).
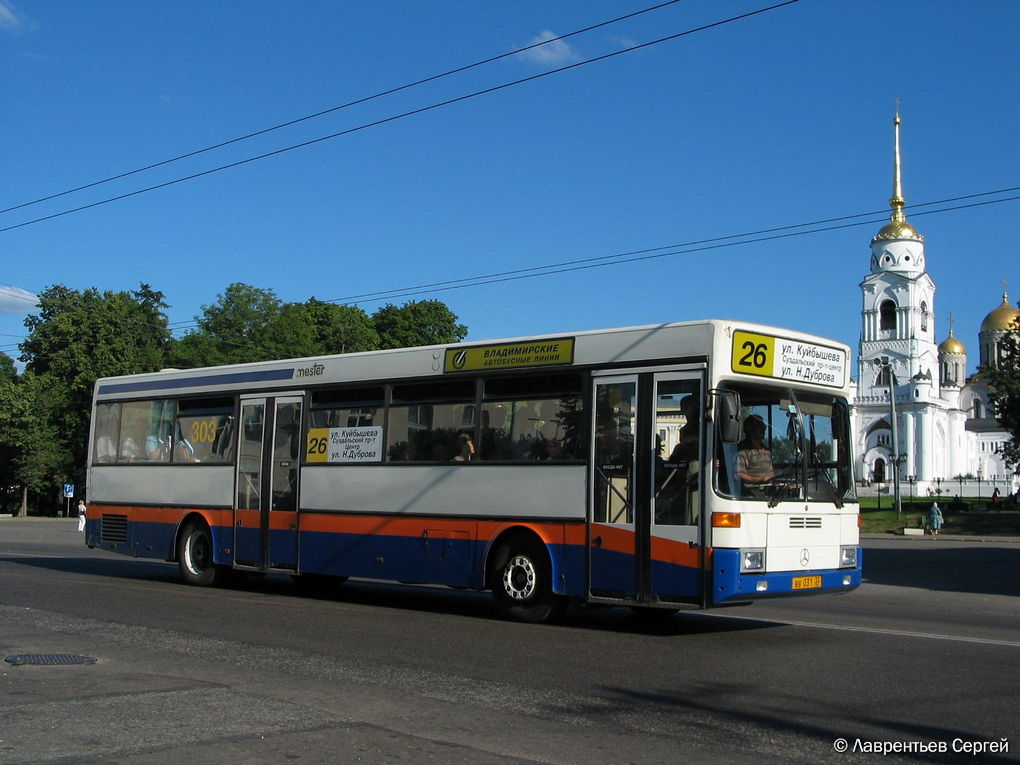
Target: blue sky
(778,119)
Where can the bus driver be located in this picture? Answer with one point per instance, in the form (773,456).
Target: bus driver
(754,460)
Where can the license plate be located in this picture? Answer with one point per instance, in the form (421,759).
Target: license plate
(806,582)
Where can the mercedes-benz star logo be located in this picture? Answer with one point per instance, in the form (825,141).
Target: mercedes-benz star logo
(805,557)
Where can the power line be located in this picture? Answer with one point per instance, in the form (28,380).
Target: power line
(347,105)
(652,253)
(403,115)
(639,255)
(648,252)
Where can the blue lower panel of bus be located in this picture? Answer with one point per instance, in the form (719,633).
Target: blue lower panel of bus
(729,585)
(450,561)
(615,574)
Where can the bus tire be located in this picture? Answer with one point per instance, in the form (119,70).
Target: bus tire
(522,582)
(195,555)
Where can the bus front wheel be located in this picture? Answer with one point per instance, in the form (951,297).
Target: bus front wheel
(195,555)
(522,582)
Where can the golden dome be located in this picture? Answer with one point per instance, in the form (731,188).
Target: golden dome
(952,345)
(1002,318)
(898,229)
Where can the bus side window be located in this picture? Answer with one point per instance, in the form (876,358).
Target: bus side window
(107,433)
(426,421)
(146,431)
(532,418)
(204,431)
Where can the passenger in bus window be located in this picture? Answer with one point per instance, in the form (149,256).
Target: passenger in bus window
(184,451)
(105,450)
(467,448)
(687,449)
(128,450)
(754,460)
(157,449)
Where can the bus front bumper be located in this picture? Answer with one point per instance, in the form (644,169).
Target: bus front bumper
(729,584)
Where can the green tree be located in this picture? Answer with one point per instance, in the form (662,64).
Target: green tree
(1004,385)
(252,324)
(74,339)
(7,369)
(13,429)
(336,328)
(233,330)
(418,322)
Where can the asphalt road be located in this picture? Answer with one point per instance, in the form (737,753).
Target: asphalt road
(926,651)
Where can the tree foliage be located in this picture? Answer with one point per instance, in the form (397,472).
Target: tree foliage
(1004,379)
(252,324)
(74,339)
(77,337)
(419,322)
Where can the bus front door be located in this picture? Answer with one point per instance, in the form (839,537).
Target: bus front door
(644,537)
(268,464)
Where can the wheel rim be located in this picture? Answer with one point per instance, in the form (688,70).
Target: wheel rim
(520,579)
(197,552)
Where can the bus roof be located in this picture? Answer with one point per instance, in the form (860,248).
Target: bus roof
(670,343)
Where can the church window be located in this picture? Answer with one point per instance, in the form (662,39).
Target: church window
(887,315)
(924,316)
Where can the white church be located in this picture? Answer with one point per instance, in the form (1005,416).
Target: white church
(943,424)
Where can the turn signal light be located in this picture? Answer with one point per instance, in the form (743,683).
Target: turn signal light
(726,520)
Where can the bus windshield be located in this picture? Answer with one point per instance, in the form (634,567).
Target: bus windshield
(792,446)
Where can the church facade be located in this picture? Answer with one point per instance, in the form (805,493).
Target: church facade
(942,427)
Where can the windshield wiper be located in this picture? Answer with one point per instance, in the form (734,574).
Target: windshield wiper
(781,486)
(837,500)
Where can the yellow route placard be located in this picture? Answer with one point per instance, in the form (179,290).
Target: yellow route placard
(785,359)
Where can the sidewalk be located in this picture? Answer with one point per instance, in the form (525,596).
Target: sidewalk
(944,537)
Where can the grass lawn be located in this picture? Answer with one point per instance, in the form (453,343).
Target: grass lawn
(961,515)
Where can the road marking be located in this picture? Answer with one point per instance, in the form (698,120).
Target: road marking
(875,631)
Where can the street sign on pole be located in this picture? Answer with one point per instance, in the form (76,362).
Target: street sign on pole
(68,490)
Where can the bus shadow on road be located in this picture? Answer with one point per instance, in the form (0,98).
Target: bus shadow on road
(476,604)
(410,597)
(984,569)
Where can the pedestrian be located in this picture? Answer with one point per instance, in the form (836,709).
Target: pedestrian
(995,498)
(81,515)
(935,518)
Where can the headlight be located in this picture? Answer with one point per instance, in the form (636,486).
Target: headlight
(848,556)
(752,560)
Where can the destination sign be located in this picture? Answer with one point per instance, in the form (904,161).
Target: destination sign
(534,353)
(785,359)
(357,444)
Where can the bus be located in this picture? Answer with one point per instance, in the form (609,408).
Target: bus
(686,465)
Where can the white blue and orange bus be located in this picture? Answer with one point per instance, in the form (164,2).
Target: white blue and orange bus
(606,467)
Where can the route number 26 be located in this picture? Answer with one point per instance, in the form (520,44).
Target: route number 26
(756,355)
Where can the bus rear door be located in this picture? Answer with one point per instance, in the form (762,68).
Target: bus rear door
(268,466)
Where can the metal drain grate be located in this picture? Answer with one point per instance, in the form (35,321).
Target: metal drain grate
(49,659)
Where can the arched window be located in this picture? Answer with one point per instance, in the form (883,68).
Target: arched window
(924,316)
(887,315)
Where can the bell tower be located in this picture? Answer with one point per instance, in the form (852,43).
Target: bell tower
(897,348)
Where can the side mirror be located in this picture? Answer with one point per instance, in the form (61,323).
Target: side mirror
(727,415)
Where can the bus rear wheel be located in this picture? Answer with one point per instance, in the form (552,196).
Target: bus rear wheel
(521,579)
(195,555)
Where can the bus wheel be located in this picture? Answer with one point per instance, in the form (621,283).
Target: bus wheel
(194,555)
(522,584)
